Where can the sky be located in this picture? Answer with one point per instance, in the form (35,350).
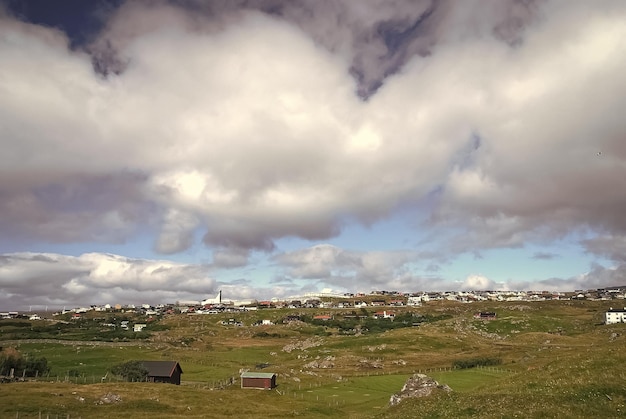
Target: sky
(161,150)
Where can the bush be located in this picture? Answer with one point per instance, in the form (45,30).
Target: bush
(264,334)
(476,362)
(11,359)
(36,366)
(131,371)
(29,366)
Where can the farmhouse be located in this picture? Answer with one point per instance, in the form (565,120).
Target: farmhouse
(414,301)
(258,380)
(615,315)
(163,371)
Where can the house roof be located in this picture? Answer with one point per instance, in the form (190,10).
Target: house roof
(251,374)
(161,368)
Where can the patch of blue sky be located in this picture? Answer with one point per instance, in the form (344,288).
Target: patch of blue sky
(531,263)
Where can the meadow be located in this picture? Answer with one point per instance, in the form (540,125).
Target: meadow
(556,359)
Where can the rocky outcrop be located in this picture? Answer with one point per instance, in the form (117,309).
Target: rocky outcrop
(109,398)
(419,385)
(327,362)
(303,345)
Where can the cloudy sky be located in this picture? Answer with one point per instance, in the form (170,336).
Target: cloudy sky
(155,151)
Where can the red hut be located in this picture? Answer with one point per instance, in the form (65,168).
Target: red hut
(259,380)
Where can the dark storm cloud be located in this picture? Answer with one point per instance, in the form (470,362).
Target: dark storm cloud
(378,37)
(545,255)
(67,207)
(611,247)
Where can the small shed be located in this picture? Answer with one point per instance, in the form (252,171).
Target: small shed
(485,315)
(163,371)
(259,380)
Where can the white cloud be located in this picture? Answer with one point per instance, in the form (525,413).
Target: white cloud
(250,127)
(56,280)
(477,283)
(273,137)
(363,271)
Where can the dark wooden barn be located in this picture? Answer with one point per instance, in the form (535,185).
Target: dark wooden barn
(163,371)
(260,380)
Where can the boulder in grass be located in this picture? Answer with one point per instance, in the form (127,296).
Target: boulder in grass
(109,398)
(419,385)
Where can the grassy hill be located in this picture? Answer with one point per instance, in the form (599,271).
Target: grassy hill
(554,359)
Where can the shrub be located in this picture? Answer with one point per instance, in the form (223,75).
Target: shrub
(29,366)
(11,359)
(264,334)
(35,366)
(131,371)
(476,362)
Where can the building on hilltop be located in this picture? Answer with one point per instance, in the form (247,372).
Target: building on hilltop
(213,301)
(615,315)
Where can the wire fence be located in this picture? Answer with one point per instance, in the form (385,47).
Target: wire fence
(322,391)
(45,415)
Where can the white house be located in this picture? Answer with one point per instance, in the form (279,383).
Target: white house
(615,315)
(414,301)
(384,315)
(138,327)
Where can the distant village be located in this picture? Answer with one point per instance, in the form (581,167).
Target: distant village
(331,301)
(378,310)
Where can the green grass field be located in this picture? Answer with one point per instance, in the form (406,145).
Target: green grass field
(556,361)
